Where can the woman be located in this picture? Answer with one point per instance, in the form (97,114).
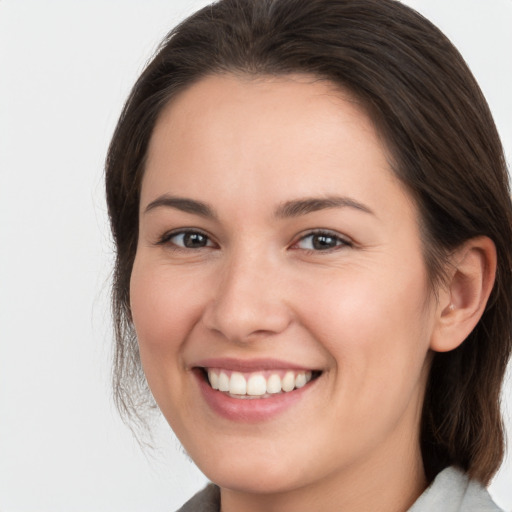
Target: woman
(313,226)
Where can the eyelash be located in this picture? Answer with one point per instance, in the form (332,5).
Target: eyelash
(339,241)
(166,239)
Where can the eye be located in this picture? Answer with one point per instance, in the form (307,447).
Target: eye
(321,241)
(187,240)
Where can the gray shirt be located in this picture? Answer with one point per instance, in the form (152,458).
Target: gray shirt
(451,491)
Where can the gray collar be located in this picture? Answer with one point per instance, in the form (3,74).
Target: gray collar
(452,491)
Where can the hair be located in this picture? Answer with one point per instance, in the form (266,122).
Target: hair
(429,110)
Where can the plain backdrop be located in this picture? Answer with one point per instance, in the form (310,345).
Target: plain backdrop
(65,69)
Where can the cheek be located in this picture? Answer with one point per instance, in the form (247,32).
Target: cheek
(379,345)
(164,308)
(375,325)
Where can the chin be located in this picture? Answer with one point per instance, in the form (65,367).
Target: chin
(252,473)
(254,480)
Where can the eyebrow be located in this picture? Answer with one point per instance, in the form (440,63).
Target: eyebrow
(304,206)
(294,208)
(184,204)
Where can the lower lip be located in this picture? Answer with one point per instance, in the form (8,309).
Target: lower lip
(249,410)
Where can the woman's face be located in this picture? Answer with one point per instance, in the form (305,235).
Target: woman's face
(276,247)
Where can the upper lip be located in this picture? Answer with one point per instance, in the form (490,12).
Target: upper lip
(248,365)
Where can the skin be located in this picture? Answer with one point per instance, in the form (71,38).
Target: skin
(361,311)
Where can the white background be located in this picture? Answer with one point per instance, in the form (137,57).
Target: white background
(65,69)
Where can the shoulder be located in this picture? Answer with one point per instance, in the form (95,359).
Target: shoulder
(207,500)
(453,491)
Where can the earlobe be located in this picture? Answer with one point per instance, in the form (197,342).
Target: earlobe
(463,300)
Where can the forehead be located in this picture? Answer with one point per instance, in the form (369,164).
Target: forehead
(272,137)
(219,106)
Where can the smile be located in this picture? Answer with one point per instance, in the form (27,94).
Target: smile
(253,391)
(259,384)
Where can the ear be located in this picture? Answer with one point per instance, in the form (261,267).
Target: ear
(463,299)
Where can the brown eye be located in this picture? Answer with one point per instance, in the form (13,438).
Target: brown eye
(189,240)
(321,242)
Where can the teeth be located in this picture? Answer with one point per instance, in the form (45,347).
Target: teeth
(257,384)
(274,384)
(288,381)
(214,379)
(223,382)
(302,379)
(237,384)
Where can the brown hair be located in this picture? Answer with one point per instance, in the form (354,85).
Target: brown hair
(435,120)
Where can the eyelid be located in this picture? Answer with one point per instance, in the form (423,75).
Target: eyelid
(168,235)
(345,241)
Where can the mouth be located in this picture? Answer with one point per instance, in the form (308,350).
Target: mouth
(258,384)
(253,391)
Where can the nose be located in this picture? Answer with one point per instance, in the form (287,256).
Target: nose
(249,301)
